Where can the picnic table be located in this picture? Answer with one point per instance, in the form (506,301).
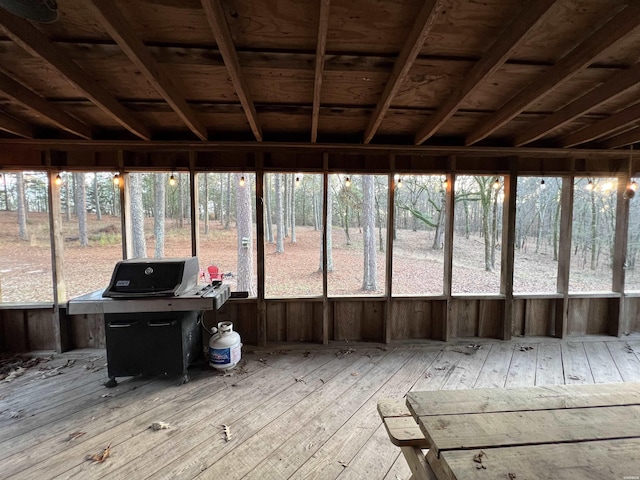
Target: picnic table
(560,432)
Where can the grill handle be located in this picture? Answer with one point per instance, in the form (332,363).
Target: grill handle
(122,325)
(162,324)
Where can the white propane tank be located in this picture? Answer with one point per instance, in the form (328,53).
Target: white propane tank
(225,347)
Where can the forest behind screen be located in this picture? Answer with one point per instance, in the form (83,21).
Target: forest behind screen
(357,235)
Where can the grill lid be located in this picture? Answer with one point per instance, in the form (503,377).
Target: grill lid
(143,277)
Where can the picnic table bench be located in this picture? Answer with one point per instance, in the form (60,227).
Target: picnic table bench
(558,432)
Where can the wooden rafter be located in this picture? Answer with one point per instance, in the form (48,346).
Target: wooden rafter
(620,120)
(323,26)
(580,57)
(37,44)
(15,127)
(216,18)
(493,59)
(590,100)
(28,99)
(622,140)
(410,50)
(118,27)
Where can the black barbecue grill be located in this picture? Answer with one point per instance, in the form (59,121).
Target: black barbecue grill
(151,310)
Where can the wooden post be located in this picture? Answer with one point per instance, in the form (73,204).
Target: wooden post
(389,253)
(564,257)
(57,264)
(619,323)
(195,203)
(508,245)
(448,249)
(125,208)
(260,301)
(325,285)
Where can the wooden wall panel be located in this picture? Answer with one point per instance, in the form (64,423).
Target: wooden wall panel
(464,317)
(15,335)
(632,314)
(347,320)
(276,322)
(372,323)
(490,318)
(299,321)
(538,316)
(517,324)
(87,331)
(590,315)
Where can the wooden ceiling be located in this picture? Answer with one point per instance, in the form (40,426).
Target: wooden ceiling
(499,73)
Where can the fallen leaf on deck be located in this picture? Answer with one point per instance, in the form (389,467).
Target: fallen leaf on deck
(16,414)
(344,464)
(107,395)
(160,426)
(300,380)
(427,375)
(344,353)
(475,346)
(478,457)
(354,374)
(227,432)
(512,476)
(575,377)
(74,435)
(524,348)
(18,372)
(440,368)
(102,456)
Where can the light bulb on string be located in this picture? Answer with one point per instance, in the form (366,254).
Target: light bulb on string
(347,182)
(172,180)
(241,182)
(590,185)
(116,179)
(399,183)
(542,184)
(58,180)
(496,184)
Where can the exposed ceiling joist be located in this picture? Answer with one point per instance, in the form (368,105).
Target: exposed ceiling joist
(30,100)
(410,50)
(620,120)
(627,138)
(216,18)
(15,127)
(581,56)
(493,59)
(321,44)
(590,100)
(34,42)
(120,30)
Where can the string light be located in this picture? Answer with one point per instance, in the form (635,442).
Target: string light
(347,182)
(542,184)
(58,180)
(399,183)
(590,185)
(116,179)
(172,180)
(632,186)
(496,184)
(241,182)
(297,180)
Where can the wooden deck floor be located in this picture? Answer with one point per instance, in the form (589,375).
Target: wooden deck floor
(293,412)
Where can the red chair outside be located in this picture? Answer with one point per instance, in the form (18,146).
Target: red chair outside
(214,273)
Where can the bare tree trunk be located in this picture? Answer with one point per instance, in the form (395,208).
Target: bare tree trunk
(96,192)
(268,218)
(137,216)
(594,231)
(369,281)
(329,232)
(159,213)
(67,201)
(287,203)
(81,207)
(206,204)
(494,229)
(279,215)
(227,203)
(6,195)
(292,209)
(23,234)
(181,205)
(245,237)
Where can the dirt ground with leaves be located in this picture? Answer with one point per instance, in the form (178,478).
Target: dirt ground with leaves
(25,266)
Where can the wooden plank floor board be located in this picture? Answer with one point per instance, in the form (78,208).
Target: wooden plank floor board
(549,370)
(297,415)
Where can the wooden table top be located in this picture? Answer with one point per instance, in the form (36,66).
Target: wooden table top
(561,432)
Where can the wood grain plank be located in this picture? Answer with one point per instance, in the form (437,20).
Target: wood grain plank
(522,371)
(496,366)
(575,363)
(549,365)
(626,361)
(321,44)
(466,371)
(603,368)
(605,459)
(485,430)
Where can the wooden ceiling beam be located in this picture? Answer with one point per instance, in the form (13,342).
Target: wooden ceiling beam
(410,50)
(15,126)
(492,60)
(37,44)
(578,58)
(622,140)
(587,102)
(617,121)
(30,100)
(321,44)
(123,33)
(216,17)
